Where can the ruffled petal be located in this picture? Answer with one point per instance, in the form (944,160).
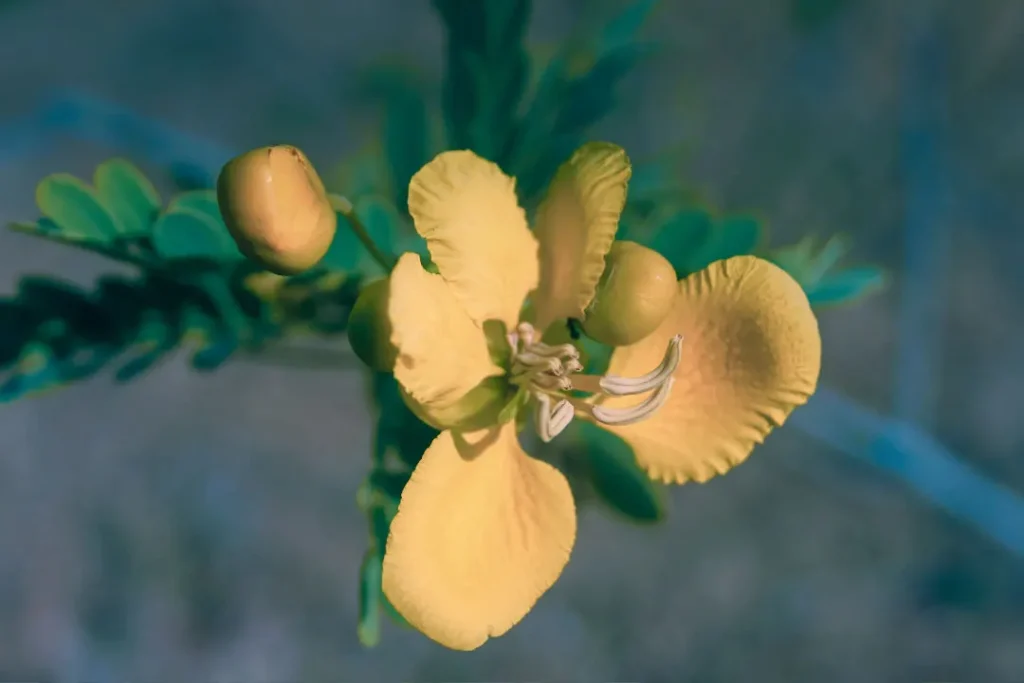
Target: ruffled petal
(467,211)
(482,531)
(575,226)
(751,353)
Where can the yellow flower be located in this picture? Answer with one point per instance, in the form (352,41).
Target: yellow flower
(483,529)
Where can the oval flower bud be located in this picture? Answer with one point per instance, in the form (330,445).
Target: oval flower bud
(369,328)
(276,208)
(634,295)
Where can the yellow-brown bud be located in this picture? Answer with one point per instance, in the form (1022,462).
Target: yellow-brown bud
(276,208)
(635,294)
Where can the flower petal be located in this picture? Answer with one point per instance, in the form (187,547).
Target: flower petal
(482,531)
(467,211)
(751,353)
(442,353)
(576,224)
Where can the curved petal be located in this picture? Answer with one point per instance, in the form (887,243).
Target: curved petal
(441,353)
(481,532)
(751,353)
(576,224)
(467,211)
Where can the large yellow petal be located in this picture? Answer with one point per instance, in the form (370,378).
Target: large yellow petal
(575,225)
(482,531)
(751,353)
(441,353)
(467,211)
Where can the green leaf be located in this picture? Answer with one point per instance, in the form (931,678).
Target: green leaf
(37,370)
(383,224)
(622,29)
(486,72)
(617,478)
(75,208)
(730,236)
(389,484)
(370,595)
(156,336)
(406,134)
(592,96)
(846,286)
(398,430)
(796,259)
(203,202)
(818,266)
(128,195)
(563,109)
(47,230)
(215,354)
(184,232)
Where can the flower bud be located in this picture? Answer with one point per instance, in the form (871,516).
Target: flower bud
(276,208)
(369,328)
(634,295)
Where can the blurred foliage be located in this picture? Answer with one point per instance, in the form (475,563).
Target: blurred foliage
(193,288)
(812,14)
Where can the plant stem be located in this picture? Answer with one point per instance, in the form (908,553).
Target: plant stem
(343,206)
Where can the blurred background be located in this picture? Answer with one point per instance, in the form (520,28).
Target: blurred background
(203,527)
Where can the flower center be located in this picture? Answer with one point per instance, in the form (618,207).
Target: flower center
(549,372)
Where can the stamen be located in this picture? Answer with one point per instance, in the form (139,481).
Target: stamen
(552,421)
(526,333)
(548,371)
(530,360)
(559,350)
(634,414)
(552,382)
(628,386)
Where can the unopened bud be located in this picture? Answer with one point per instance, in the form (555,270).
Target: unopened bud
(635,294)
(276,208)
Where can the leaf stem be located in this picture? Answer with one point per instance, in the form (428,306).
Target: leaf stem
(343,206)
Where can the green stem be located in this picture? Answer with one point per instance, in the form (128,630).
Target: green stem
(343,206)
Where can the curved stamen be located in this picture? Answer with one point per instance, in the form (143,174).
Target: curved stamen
(634,414)
(628,386)
(552,421)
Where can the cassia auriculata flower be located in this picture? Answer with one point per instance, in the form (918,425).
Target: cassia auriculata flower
(703,371)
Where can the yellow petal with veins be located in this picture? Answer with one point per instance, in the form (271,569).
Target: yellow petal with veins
(482,531)
(575,225)
(751,353)
(467,211)
(442,353)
